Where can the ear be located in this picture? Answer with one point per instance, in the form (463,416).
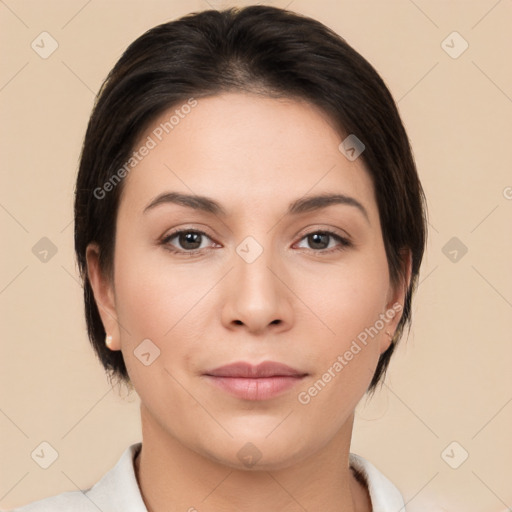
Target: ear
(396,299)
(103,290)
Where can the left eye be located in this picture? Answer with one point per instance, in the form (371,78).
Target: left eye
(321,240)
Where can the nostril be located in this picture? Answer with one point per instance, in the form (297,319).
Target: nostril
(276,321)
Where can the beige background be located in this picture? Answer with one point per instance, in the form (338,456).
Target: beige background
(450,381)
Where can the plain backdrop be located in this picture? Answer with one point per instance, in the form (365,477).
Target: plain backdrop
(440,428)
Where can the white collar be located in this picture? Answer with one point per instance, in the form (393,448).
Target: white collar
(385,497)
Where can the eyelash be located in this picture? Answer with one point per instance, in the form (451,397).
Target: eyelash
(344,243)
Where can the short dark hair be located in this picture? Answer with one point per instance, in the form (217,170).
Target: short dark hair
(263,50)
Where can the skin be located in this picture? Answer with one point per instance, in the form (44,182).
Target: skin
(298,303)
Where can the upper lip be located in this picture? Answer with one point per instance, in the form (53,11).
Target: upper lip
(246,370)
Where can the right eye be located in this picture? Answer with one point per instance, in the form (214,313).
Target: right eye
(186,241)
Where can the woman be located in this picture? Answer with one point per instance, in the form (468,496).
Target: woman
(249,226)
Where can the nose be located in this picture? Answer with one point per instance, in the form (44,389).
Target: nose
(257,299)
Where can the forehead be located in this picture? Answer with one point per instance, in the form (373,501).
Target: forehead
(246,150)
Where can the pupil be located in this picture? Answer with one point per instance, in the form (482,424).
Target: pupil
(190,238)
(319,239)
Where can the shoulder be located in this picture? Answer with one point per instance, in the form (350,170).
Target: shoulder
(73,500)
(384,495)
(117,490)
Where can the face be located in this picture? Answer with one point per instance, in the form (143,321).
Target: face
(258,269)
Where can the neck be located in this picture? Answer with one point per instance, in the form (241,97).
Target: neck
(172,478)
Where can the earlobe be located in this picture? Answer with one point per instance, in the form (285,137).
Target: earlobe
(396,300)
(102,288)
(386,341)
(399,290)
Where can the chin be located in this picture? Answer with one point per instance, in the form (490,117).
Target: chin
(256,452)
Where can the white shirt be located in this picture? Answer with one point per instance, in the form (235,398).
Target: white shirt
(118,490)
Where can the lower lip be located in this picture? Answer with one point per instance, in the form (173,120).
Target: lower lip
(255,389)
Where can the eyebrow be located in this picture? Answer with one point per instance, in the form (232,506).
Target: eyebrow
(302,205)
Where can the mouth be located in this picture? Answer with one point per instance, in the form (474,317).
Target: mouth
(255,382)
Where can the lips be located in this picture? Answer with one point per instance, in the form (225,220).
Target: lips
(247,370)
(255,382)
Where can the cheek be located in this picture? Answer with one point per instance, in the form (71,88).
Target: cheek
(152,308)
(349,302)
(350,298)
(163,303)
(344,361)
(149,298)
